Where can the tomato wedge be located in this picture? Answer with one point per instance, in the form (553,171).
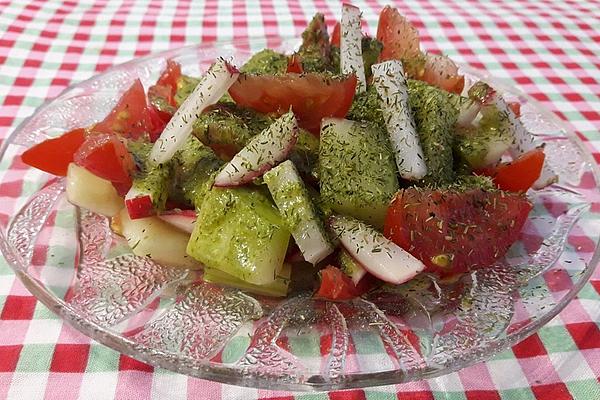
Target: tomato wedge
(106,156)
(399,37)
(295,64)
(54,155)
(335,285)
(311,96)
(170,76)
(518,175)
(127,118)
(453,232)
(336,37)
(442,72)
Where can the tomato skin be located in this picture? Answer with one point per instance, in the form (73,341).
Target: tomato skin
(311,96)
(127,117)
(520,174)
(170,76)
(155,123)
(442,72)
(455,232)
(400,39)
(54,155)
(106,156)
(295,64)
(515,106)
(336,35)
(335,285)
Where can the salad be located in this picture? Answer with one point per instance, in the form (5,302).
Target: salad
(354,162)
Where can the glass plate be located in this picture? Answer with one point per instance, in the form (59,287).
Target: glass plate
(70,260)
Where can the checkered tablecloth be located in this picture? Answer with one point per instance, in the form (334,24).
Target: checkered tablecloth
(549,49)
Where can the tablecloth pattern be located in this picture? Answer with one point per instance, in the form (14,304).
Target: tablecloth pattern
(549,49)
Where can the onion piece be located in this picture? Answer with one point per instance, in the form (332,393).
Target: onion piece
(390,83)
(212,86)
(378,255)
(91,192)
(351,59)
(263,152)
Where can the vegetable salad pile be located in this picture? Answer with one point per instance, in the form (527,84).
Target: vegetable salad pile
(354,162)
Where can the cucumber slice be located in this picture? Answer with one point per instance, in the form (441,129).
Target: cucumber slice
(194,167)
(358,174)
(298,211)
(240,232)
(266,61)
(277,288)
(91,192)
(435,116)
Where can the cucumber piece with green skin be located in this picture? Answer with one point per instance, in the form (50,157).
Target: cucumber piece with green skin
(266,61)
(350,266)
(194,167)
(278,288)
(298,211)
(229,127)
(149,191)
(240,232)
(315,50)
(434,117)
(484,144)
(358,174)
(371,48)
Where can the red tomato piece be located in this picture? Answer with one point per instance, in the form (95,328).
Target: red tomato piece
(518,175)
(155,123)
(295,64)
(335,285)
(106,156)
(454,232)
(336,35)
(442,72)
(54,155)
(311,96)
(170,76)
(127,118)
(400,39)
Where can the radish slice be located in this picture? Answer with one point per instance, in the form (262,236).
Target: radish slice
(377,254)
(298,211)
(182,219)
(139,204)
(524,142)
(212,86)
(264,151)
(351,60)
(390,83)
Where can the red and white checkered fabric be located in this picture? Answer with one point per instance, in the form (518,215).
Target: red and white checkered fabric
(549,49)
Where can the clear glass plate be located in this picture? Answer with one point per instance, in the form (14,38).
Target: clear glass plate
(70,260)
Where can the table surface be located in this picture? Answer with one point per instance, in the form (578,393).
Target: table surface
(549,49)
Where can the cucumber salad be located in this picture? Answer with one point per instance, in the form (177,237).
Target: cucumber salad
(354,162)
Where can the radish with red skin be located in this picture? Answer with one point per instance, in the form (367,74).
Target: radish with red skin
(262,153)
(378,255)
(182,219)
(139,206)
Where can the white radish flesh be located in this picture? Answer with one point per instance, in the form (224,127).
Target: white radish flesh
(390,83)
(351,59)
(377,254)
(157,239)
(181,219)
(263,152)
(297,210)
(524,142)
(212,86)
(91,192)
